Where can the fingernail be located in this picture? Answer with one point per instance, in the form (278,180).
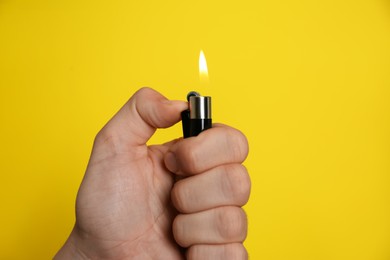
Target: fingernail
(171,162)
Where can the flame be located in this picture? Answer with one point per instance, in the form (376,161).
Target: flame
(203,72)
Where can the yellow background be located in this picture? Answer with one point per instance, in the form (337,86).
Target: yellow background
(307,82)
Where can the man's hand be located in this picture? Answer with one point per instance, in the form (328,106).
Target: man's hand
(129,205)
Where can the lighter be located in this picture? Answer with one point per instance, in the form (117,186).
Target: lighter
(197,117)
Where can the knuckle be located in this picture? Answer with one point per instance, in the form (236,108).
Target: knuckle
(142,91)
(237,184)
(232,224)
(239,144)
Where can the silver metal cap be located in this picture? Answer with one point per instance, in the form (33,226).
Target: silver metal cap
(200,107)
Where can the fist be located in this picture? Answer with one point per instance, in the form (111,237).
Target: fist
(214,185)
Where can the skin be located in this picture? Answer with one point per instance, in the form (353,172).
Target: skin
(179,200)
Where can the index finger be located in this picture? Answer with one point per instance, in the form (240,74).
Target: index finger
(219,145)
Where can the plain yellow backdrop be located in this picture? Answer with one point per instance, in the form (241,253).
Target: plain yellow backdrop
(307,82)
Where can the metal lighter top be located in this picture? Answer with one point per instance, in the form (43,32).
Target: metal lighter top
(200,107)
(197,117)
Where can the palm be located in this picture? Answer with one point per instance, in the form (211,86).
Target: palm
(126,209)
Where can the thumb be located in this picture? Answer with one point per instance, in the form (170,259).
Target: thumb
(139,118)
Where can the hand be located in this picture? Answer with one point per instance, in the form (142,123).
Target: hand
(128,203)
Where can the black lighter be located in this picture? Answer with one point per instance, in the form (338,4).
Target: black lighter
(198,115)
